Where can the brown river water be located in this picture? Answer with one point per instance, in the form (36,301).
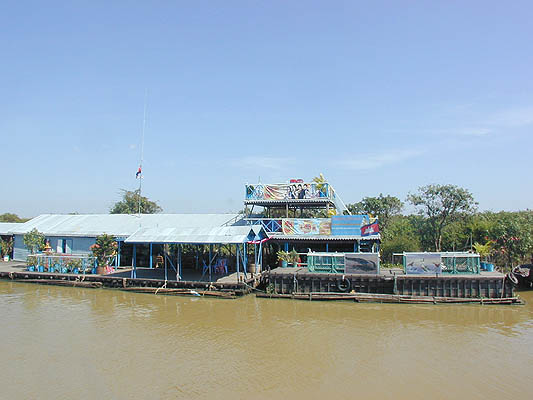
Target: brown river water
(72,343)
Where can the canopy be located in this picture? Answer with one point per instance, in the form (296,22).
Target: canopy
(219,235)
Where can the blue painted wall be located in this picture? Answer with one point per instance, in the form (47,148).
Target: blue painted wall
(347,224)
(80,245)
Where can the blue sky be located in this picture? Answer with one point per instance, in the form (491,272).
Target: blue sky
(383,98)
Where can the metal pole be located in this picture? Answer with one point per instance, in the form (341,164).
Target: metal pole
(238,261)
(166,271)
(178,269)
(134,261)
(245,260)
(118,253)
(151,264)
(210,253)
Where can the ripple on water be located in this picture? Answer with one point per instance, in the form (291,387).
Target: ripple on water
(124,345)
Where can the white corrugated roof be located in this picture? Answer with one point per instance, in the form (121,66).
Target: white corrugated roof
(120,225)
(7,227)
(219,235)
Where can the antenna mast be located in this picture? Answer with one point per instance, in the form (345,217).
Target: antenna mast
(142,151)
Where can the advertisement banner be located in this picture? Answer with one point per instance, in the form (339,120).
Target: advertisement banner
(423,263)
(287,191)
(361,263)
(311,226)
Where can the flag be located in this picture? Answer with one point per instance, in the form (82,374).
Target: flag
(138,173)
(370,229)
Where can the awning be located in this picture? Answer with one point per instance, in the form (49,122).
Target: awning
(220,235)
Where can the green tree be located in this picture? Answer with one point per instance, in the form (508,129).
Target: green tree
(383,207)
(104,248)
(441,204)
(10,217)
(400,236)
(34,240)
(6,246)
(513,236)
(130,204)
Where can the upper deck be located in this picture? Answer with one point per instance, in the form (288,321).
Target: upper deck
(293,194)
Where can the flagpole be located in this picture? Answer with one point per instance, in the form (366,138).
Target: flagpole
(142,151)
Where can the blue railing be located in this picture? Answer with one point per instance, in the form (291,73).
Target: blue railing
(270,225)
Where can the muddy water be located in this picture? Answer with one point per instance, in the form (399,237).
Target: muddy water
(64,343)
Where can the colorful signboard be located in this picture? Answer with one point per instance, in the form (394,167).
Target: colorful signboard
(361,263)
(348,225)
(311,226)
(423,263)
(287,191)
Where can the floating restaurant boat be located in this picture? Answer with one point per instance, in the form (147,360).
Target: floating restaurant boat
(330,253)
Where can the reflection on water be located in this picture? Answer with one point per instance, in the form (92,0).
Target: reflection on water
(60,342)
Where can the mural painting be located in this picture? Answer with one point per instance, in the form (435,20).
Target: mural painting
(287,191)
(312,226)
(361,263)
(423,263)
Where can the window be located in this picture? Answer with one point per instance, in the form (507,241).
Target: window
(64,246)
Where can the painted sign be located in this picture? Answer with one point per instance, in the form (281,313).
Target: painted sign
(361,263)
(287,191)
(423,263)
(348,224)
(311,226)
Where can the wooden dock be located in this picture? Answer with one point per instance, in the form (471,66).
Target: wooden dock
(227,287)
(298,284)
(389,298)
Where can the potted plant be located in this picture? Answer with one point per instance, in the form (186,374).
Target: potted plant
(6,248)
(294,258)
(283,258)
(484,251)
(104,249)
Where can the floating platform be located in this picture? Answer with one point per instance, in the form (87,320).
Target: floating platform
(299,282)
(226,287)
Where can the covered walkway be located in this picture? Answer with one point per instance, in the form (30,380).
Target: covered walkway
(210,254)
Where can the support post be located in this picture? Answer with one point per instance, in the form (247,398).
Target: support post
(327,247)
(210,255)
(245,261)
(134,261)
(178,269)
(166,270)
(259,264)
(151,255)
(118,252)
(238,255)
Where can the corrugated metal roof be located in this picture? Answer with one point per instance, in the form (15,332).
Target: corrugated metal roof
(7,227)
(120,225)
(219,235)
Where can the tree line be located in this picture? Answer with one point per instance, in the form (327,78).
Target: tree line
(447,219)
